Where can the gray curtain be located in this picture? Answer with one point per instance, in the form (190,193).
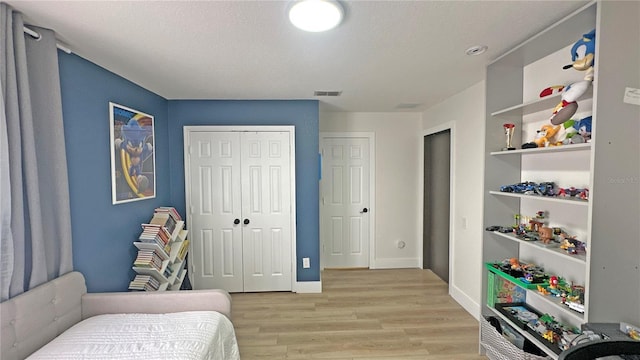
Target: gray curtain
(36,225)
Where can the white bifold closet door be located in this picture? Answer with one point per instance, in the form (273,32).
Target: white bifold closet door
(239,198)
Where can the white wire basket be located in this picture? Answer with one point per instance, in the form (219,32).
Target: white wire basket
(499,348)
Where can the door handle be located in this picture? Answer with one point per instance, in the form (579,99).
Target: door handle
(365,210)
(236,221)
(246,221)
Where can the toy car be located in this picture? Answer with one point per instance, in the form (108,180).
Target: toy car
(531,188)
(519,188)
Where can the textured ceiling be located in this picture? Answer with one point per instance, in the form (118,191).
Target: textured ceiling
(384,54)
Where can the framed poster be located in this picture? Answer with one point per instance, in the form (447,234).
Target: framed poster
(133,160)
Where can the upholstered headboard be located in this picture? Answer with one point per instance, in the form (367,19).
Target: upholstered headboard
(32,319)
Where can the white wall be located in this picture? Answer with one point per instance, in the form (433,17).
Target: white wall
(396,176)
(465,111)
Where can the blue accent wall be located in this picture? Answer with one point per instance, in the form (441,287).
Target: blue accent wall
(303,114)
(103,233)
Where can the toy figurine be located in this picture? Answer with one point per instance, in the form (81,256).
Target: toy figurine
(542,290)
(553,282)
(535,225)
(572,191)
(546,234)
(584,194)
(571,245)
(528,277)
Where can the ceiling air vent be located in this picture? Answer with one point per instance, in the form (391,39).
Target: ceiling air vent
(407,106)
(327,93)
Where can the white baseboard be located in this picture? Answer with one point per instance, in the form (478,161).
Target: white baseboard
(401,263)
(309,287)
(465,301)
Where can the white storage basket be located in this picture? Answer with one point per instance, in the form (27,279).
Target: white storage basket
(499,348)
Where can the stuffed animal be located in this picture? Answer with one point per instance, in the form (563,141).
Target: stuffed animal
(583,54)
(568,106)
(584,128)
(577,132)
(545,137)
(570,133)
(583,57)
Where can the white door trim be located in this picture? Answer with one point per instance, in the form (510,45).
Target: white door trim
(372,189)
(292,159)
(450,125)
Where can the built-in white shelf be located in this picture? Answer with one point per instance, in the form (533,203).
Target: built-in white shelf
(557,302)
(564,200)
(549,149)
(534,106)
(578,258)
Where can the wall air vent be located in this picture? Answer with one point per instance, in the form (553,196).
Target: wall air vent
(326,93)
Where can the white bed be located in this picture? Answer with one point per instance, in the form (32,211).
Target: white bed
(60,320)
(186,336)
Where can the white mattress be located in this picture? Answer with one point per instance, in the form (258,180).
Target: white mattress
(185,335)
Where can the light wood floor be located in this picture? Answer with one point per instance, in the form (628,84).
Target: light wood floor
(360,314)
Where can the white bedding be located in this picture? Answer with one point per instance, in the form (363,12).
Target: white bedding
(185,336)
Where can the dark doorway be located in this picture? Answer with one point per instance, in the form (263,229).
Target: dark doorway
(437,155)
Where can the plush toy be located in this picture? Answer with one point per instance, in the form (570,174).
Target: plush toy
(545,137)
(552,90)
(570,132)
(568,106)
(577,132)
(582,55)
(584,128)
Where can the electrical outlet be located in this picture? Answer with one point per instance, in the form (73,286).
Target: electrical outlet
(306,263)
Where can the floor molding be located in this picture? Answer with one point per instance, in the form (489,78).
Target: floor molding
(465,301)
(400,263)
(309,287)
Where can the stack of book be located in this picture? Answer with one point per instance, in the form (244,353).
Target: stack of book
(158,234)
(149,258)
(167,217)
(169,210)
(144,282)
(164,220)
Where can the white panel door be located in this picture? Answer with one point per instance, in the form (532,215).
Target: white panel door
(215,206)
(345,202)
(266,211)
(240,199)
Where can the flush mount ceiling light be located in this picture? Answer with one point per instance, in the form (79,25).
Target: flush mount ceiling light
(316,15)
(476,50)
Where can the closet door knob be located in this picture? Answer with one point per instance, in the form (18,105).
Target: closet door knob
(365,210)
(236,221)
(246,221)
